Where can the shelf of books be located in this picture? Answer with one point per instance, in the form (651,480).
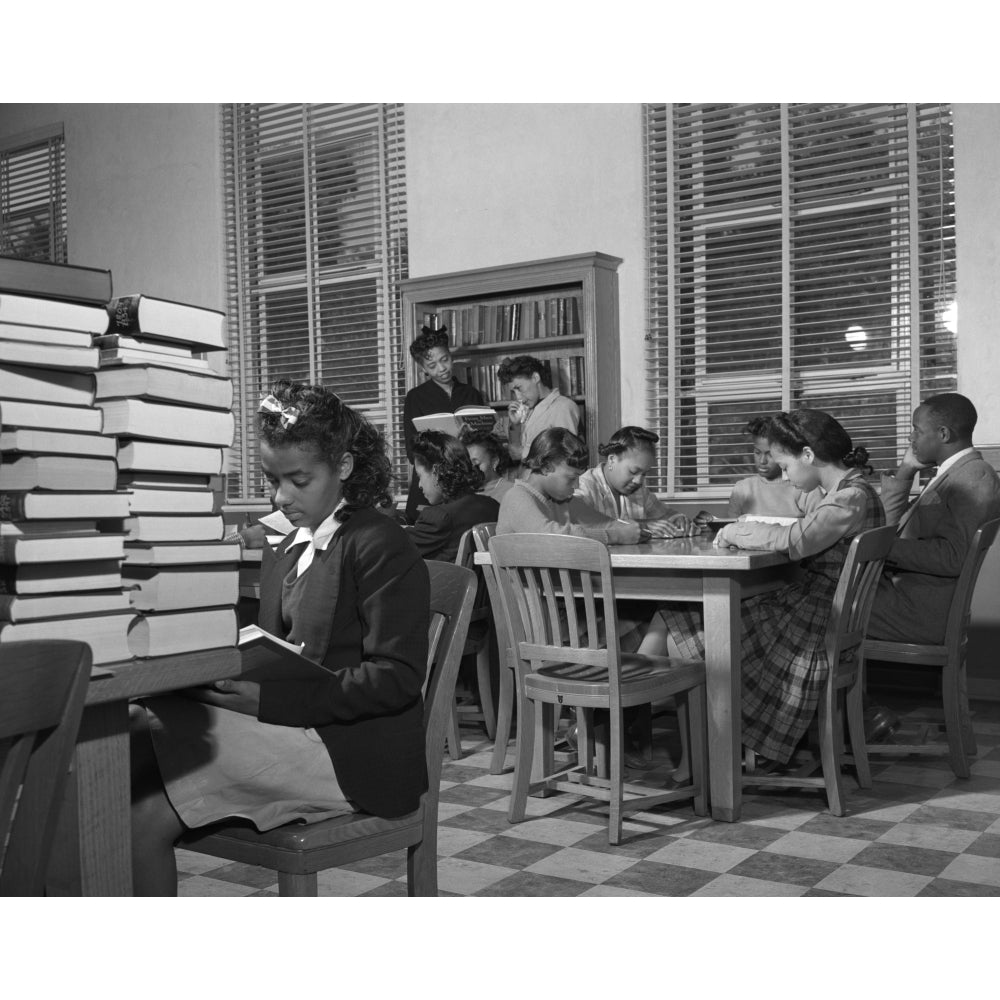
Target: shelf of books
(561,310)
(113,426)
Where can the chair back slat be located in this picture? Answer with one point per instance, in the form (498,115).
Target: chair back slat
(956,630)
(852,601)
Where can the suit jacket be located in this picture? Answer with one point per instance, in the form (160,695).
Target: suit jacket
(934,534)
(439,528)
(365,612)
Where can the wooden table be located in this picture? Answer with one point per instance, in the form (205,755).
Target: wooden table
(92,852)
(693,570)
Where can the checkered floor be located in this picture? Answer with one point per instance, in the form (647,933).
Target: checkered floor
(918,832)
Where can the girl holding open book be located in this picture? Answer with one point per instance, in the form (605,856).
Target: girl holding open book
(350,587)
(441,392)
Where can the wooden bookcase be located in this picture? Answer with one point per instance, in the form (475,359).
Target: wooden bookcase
(563,310)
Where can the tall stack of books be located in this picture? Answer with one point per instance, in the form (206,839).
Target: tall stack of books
(61,535)
(171,415)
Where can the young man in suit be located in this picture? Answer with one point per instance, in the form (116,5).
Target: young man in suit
(934,532)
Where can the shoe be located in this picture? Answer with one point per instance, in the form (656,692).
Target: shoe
(881,723)
(637,763)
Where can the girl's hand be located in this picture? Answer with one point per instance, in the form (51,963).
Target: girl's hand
(237,696)
(721,539)
(516,411)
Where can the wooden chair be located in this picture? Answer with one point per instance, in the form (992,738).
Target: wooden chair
(845,650)
(299,851)
(481,643)
(558,599)
(949,658)
(43,684)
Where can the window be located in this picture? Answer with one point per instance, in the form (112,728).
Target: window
(798,255)
(316,246)
(33,195)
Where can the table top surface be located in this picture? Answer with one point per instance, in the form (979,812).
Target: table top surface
(698,553)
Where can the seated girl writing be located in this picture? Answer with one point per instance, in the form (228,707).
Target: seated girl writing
(491,456)
(351,586)
(449,481)
(783,654)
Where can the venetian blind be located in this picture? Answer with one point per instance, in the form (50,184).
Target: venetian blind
(33,195)
(798,255)
(315,248)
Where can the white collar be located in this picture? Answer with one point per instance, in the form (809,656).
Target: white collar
(318,540)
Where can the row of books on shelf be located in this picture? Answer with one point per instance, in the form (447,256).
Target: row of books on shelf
(567,373)
(500,323)
(112,435)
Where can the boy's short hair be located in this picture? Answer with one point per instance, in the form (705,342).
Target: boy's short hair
(955,412)
(555,445)
(524,366)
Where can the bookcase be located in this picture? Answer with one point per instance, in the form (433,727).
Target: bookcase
(561,310)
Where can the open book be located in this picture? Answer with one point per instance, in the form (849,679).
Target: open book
(770,519)
(265,657)
(477,418)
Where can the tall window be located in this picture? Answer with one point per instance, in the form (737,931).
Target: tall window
(799,255)
(316,244)
(33,195)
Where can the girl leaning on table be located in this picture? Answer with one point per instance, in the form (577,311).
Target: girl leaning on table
(349,584)
(782,638)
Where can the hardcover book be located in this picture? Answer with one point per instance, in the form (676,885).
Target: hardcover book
(148,316)
(57,281)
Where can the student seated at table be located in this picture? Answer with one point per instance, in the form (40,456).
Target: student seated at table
(449,481)
(544,501)
(351,586)
(617,487)
(783,654)
(766,492)
(491,456)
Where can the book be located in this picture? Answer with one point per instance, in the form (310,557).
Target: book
(36,384)
(110,357)
(265,657)
(32,529)
(147,316)
(46,335)
(174,528)
(154,382)
(55,578)
(107,635)
(181,553)
(174,481)
(61,548)
(165,422)
(29,506)
(170,588)
(20,607)
(122,341)
(770,519)
(173,632)
(57,281)
(32,311)
(145,500)
(478,418)
(21,352)
(57,472)
(162,457)
(35,440)
(18,413)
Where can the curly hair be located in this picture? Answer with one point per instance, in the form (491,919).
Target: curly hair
(818,430)
(555,445)
(331,429)
(524,366)
(427,340)
(628,438)
(447,458)
(494,446)
(757,427)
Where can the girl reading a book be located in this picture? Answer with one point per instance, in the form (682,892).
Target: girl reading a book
(767,492)
(441,392)
(783,632)
(490,455)
(450,482)
(349,586)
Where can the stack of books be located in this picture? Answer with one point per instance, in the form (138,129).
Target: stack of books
(61,516)
(171,416)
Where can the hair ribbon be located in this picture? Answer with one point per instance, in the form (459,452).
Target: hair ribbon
(288,414)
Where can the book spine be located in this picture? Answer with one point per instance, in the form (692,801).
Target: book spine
(123,313)
(12,507)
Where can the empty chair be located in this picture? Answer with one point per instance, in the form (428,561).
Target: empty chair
(558,598)
(845,652)
(299,851)
(43,684)
(949,658)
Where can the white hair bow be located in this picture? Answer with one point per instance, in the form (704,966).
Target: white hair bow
(289,414)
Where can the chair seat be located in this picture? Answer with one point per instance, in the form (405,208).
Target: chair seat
(644,678)
(904,652)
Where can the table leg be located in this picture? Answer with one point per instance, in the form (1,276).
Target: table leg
(722,665)
(93,854)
